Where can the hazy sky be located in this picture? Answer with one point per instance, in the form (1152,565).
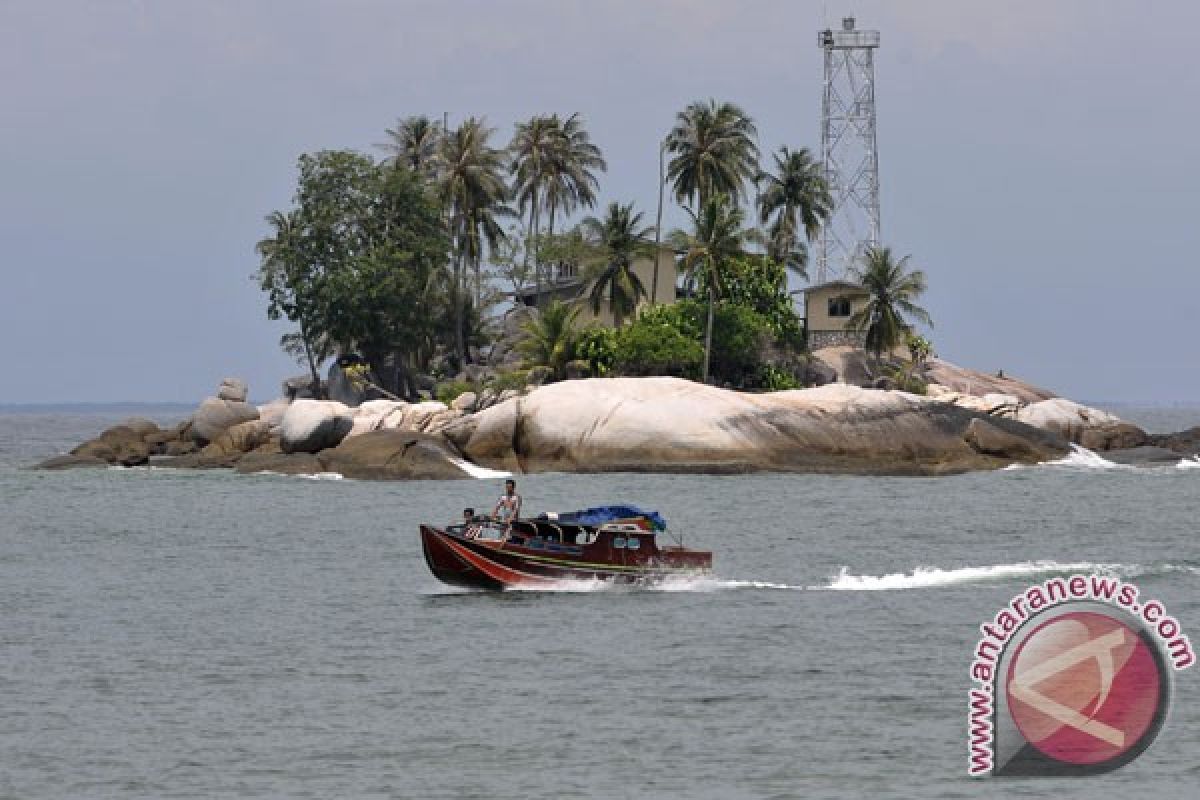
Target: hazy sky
(1039,159)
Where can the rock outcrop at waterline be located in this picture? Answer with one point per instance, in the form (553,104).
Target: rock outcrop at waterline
(674,425)
(631,424)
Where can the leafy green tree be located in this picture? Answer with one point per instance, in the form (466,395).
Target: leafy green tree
(473,191)
(759,283)
(892,293)
(365,248)
(597,345)
(294,288)
(619,239)
(414,143)
(798,198)
(566,252)
(739,335)
(714,153)
(551,337)
(654,345)
(715,240)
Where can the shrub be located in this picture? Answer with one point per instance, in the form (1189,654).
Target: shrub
(655,347)
(515,379)
(598,347)
(447,392)
(774,379)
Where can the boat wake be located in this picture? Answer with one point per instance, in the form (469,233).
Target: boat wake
(935,577)
(844,581)
(680,583)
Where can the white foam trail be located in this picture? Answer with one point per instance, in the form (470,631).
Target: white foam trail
(1189,463)
(476,471)
(933,577)
(678,583)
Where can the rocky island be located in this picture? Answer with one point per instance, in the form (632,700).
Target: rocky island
(966,421)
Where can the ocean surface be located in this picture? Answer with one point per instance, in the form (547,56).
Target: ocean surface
(170,634)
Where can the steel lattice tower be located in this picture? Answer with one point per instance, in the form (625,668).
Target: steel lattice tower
(848,150)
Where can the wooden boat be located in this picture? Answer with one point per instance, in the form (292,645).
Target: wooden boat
(578,546)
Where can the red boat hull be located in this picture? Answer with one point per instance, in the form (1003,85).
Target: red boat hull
(529,562)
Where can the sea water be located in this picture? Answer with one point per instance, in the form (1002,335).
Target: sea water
(204,634)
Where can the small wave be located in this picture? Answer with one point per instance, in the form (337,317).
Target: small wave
(482,473)
(1189,463)
(933,577)
(1082,457)
(316,476)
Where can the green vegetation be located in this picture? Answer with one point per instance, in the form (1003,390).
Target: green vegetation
(892,292)
(550,339)
(357,262)
(713,153)
(715,240)
(618,239)
(797,197)
(401,259)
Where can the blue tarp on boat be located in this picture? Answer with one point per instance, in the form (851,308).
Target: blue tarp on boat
(603,514)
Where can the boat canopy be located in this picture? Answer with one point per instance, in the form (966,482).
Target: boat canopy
(602,514)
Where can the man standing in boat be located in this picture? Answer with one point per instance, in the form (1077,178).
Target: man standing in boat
(508,507)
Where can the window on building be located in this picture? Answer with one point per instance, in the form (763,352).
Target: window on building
(839,306)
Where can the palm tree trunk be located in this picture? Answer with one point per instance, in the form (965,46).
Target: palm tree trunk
(537,277)
(537,255)
(657,228)
(478,281)
(460,349)
(708,333)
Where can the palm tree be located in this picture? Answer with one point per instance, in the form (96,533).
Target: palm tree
(571,174)
(474,193)
(550,338)
(714,152)
(620,238)
(414,143)
(892,290)
(533,150)
(797,196)
(716,238)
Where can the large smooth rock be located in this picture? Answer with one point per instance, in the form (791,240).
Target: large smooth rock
(465,402)
(273,411)
(241,438)
(973,382)
(309,426)
(214,416)
(394,455)
(282,463)
(990,440)
(674,425)
(117,445)
(1065,417)
(234,389)
(1119,436)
